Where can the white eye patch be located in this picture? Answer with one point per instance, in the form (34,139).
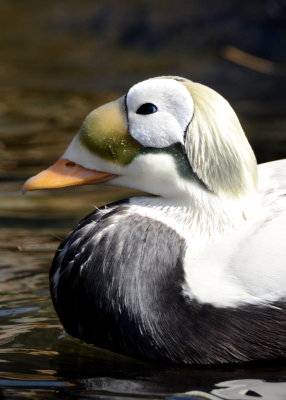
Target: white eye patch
(174,110)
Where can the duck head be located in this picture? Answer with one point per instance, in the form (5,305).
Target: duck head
(166,136)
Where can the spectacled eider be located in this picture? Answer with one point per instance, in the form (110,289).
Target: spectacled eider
(195,273)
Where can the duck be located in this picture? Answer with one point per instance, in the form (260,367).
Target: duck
(193,271)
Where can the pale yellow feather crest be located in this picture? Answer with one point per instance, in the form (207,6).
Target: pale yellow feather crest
(216,145)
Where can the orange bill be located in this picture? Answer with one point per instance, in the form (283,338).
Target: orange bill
(65,173)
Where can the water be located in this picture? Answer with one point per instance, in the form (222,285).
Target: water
(54,71)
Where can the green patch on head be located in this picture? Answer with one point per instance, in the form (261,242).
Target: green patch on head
(105,133)
(178,153)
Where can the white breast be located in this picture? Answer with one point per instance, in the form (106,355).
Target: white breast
(247,265)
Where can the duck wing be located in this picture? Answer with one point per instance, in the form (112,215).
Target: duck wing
(260,262)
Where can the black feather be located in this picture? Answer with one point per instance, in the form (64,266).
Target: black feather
(116,282)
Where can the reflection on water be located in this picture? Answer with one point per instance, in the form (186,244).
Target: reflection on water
(248,388)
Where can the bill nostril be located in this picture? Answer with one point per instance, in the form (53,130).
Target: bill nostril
(70,164)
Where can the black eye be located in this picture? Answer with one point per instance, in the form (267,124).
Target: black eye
(147,108)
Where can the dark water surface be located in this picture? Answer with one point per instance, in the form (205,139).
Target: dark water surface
(52,74)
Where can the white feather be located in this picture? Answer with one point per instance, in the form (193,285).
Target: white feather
(236,249)
(166,126)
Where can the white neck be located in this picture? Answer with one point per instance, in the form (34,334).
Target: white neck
(213,228)
(203,217)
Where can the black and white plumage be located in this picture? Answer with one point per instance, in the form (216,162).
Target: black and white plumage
(195,274)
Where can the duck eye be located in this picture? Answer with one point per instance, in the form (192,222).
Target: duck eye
(147,108)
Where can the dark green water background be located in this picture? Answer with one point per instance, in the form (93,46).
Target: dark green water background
(59,60)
